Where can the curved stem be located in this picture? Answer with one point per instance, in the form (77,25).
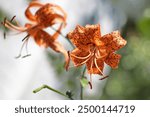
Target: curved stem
(65,37)
(50,88)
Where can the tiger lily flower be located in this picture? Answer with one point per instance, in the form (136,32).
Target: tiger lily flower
(94,50)
(46,16)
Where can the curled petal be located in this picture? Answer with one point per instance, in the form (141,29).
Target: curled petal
(57,33)
(113,60)
(50,14)
(79,57)
(63,13)
(95,66)
(56,46)
(43,38)
(113,41)
(28,13)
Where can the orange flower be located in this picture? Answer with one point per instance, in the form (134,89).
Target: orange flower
(46,16)
(94,50)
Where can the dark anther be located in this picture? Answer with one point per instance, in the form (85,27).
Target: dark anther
(26,55)
(104,78)
(90,84)
(26,37)
(12,18)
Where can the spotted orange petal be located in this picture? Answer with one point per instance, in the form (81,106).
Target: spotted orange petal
(113,41)
(93,32)
(113,60)
(83,37)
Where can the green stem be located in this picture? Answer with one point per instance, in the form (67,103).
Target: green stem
(50,88)
(81,87)
(84,70)
(65,37)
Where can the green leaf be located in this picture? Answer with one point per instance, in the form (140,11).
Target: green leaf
(84,82)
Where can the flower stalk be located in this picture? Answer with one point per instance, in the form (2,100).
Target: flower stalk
(81,87)
(52,89)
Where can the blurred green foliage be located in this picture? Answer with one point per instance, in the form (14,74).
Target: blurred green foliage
(6,15)
(144,26)
(69,81)
(2,16)
(132,79)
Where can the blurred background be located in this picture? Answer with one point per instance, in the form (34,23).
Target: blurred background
(19,77)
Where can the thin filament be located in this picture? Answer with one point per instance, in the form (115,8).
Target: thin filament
(83,62)
(85,57)
(98,67)
(11,26)
(25,37)
(91,71)
(3,23)
(27,48)
(27,45)
(12,18)
(98,56)
(104,77)
(26,40)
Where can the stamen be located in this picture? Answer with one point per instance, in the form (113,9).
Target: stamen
(85,57)
(98,52)
(91,66)
(12,18)
(90,85)
(4,34)
(25,37)
(7,25)
(103,77)
(83,62)
(27,49)
(11,26)
(19,55)
(97,56)
(98,67)
(91,70)
(26,55)
(4,28)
